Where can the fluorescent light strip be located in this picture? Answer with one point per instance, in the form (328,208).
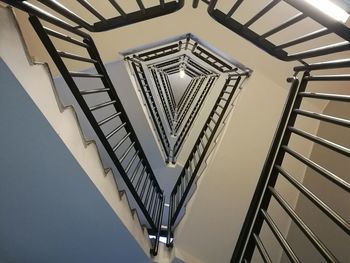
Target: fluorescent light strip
(330,9)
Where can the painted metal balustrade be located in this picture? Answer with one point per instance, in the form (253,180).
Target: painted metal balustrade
(101,21)
(184,131)
(162,94)
(327,27)
(104,111)
(274,170)
(189,173)
(112,126)
(152,106)
(277,180)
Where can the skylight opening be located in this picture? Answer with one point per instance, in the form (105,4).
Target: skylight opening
(330,9)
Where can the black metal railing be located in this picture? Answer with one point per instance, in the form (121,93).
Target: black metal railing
(168,93)
(100,22)
(187,90)
(104,111)
(152,106)
(190,120)
(164,101)
(159,52)
(275,171)
(169,90)
(187,102)
(189,173)
(327,27)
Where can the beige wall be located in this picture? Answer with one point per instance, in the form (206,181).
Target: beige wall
(209,231)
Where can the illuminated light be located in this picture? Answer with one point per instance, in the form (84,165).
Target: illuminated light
(182,73)
(330,9)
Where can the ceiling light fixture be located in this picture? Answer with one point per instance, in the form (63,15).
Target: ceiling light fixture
(182,72)
(330,9)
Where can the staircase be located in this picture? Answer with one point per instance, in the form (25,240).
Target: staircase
(276,220)
(64,121)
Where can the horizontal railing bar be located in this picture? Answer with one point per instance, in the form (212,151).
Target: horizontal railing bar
(279,236)
(127,152)
(263,252)
(138,183)
(61,9)
(210,128)
(340,63)
(331,145)
(75,57)
(150,189)
(108,118)
(158,50)
(102,105)
(118,8)
(319,169)
(262,13)
(84,75)
(148,207)
(40,13)
(91,9)
(67,38)
(134,173)
(131,161)
(121,141)
(141,6)
(302,39)
(215,58)
(109,135)
(289,22)
(320,17)
(93,91)
(321,51)
(323,117)
(145,185)
(303,227)
(234,8)
(337,219)
(338,77)
(326,96)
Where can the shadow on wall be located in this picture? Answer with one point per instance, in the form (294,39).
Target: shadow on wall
(49,209)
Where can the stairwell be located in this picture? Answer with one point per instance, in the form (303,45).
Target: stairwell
(214,215)
(64,121)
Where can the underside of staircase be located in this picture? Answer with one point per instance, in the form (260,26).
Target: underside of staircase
(125,163)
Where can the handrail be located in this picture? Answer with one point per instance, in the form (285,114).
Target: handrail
(165,104)
(182,111)
(274,168)
(279,51)
(190,170)
(182,135)
(100,23)
(126,153)
(196,85)
(152,106)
